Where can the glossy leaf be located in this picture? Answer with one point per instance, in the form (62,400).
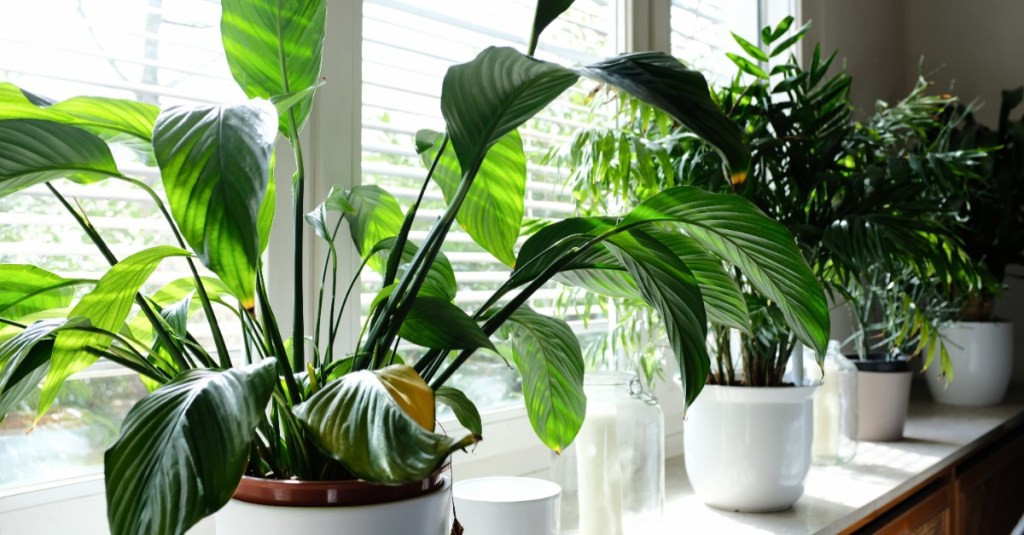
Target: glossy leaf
(438,324)
(183,449)
(735,230)
(550,362)
(664,82)
(750,48)
(25,358)
(275,49)
(492,212)
(356,421)
(377,216)
(33,152)
(440,281)
(106,307)
(108,118)
(28,289)
(747,66)
(215,165)
(464,409)
(669,287)
(546,13)
(492,95)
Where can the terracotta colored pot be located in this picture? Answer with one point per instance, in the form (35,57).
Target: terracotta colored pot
(338,507)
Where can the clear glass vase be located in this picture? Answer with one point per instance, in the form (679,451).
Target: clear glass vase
(613,475)
(835,407)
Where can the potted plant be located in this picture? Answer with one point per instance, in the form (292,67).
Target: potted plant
(822,176)
(346,428)
(980,346)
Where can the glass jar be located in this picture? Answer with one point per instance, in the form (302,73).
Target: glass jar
(835,406)
(613,475)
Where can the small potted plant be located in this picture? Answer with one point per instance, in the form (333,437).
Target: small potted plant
(980,345)
(307,420)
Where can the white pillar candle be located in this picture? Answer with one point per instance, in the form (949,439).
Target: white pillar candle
(599,473)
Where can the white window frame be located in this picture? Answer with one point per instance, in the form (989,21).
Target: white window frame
(333,157)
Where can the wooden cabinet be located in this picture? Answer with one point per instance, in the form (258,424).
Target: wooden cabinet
(981,494)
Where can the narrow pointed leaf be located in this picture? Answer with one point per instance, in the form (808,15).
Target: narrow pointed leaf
(490,96)
(492,213)
(438,324)
(669,287)
(356,421)
(28,289)
(25,358)
(183,449)
(550,362)
(106,307)
(440,281)
(664,82)
(750,48)
(274,49)
(215,165)
(33,152)
(546,13)
(464,409)
(738,232)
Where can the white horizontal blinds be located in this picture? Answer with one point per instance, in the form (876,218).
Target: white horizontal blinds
(158,51)
(407,48)
(701,34)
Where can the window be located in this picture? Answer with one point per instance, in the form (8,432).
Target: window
(407,47)
(162,52)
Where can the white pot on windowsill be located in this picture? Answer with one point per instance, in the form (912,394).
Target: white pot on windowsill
(982,358)
(749,448)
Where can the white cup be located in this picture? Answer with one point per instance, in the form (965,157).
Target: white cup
(507,506)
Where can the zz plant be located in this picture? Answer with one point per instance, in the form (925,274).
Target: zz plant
(286,408)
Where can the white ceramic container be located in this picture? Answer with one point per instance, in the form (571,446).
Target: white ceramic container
(747,448)
(882,401)
(982,358)
(508,506)
(428,514)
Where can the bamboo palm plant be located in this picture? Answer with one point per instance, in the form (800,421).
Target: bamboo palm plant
(286,408)
(857,198)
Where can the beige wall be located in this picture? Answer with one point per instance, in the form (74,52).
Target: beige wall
(976,44)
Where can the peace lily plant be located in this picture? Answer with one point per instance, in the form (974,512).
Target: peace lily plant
(294,407)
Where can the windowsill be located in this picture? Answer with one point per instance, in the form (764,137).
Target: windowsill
(840,497)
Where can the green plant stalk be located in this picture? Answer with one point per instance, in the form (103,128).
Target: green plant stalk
(298,191)
(204,298)
(400,301)
(274,334)
(336,320)
(165,338)
(320,298)
(146,368)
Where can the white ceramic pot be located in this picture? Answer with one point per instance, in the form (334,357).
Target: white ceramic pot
(982,358)
(882,400)
(747,448)
(426,514)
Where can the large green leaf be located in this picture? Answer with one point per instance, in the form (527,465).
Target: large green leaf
(274,49)
(664,82)
(110,118)
(28,289)
(438,324)
(33,152)
(24,359)
(493,94)
(183,449)
(551,364)
(106,307)
(356,421)
(671,289)
(215,165)
(492,212)
(738,232)
(377,216)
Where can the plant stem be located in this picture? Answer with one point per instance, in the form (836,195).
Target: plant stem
(165,337)
(273,332)
(298,192)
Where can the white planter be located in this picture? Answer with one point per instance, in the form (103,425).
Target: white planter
(747,448)
(982,357)
(428,514)
(882,400)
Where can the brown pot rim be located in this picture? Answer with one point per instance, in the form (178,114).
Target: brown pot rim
(350,492)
